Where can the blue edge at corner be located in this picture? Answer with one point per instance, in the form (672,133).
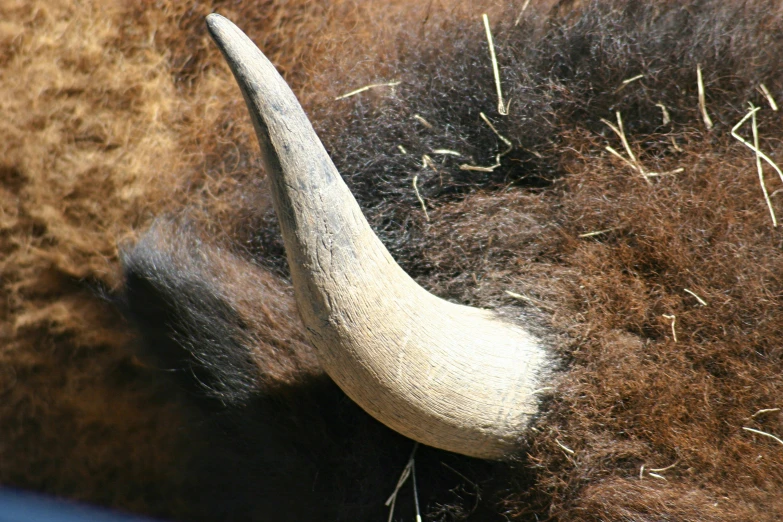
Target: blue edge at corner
(23,506)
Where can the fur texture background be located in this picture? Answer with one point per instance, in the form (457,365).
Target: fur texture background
(184,387)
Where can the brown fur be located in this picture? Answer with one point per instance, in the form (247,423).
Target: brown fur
(103,127)
(115,113)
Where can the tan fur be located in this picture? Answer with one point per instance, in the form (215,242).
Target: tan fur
(115,112)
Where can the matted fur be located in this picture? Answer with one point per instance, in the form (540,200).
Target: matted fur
(115,114)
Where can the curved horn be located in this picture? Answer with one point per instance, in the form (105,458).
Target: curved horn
(446,375)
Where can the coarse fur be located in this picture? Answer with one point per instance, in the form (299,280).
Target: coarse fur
(190,391)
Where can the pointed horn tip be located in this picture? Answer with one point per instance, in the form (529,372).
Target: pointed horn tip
(214,21)
(219,28)
(224,32)
(237,48)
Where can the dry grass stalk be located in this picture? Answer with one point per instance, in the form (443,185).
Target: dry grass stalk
(447,152)
(770,99)
(655,472)
(667,468)
(521,12)
(628,81)
(408,471)
(620,156)
(533,152)
(633,79)
(666,173)
(760,169)
(751,147)
(762,412)
(759,156)
(421,200)
(621,134)
(534,302)
(415,491)
(502,107)
(500,136)
(366,88)
(699,299)
(673,319)
(565,448)
(702,102)
(427,162)
(477,168)
(598,232)
(764,433)
(620,131)
(422,121)
(402,149)
(666,119)
(497,157)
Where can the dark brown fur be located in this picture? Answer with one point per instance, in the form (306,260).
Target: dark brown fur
(90,407)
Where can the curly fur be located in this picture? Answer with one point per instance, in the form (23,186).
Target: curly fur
(190,391)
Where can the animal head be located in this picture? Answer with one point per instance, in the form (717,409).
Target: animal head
(587,288)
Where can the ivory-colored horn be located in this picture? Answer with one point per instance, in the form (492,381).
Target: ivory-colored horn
(450,376)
